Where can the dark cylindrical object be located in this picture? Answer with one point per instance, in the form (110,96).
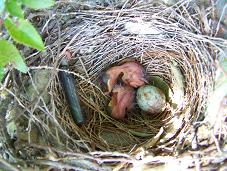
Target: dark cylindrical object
(67,82)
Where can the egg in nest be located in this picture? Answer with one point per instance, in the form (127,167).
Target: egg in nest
(151,99)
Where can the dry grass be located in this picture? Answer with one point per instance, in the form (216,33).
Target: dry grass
(98,39)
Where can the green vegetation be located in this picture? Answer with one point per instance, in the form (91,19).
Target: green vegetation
(20,30)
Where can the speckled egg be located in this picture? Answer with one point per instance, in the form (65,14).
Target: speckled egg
(151,99)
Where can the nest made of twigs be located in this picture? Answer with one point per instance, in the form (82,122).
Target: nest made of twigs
(96,40)
(93,41)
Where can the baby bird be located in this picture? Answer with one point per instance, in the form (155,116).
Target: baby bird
(122,101)
(132,75)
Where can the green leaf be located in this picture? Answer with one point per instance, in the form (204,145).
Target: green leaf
(160,83)
(1,73)
(14,8)
(23,32)
(38,4)
(2,6)
(10,54)
(177,87)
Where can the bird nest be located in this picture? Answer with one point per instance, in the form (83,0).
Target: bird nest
(166,41)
